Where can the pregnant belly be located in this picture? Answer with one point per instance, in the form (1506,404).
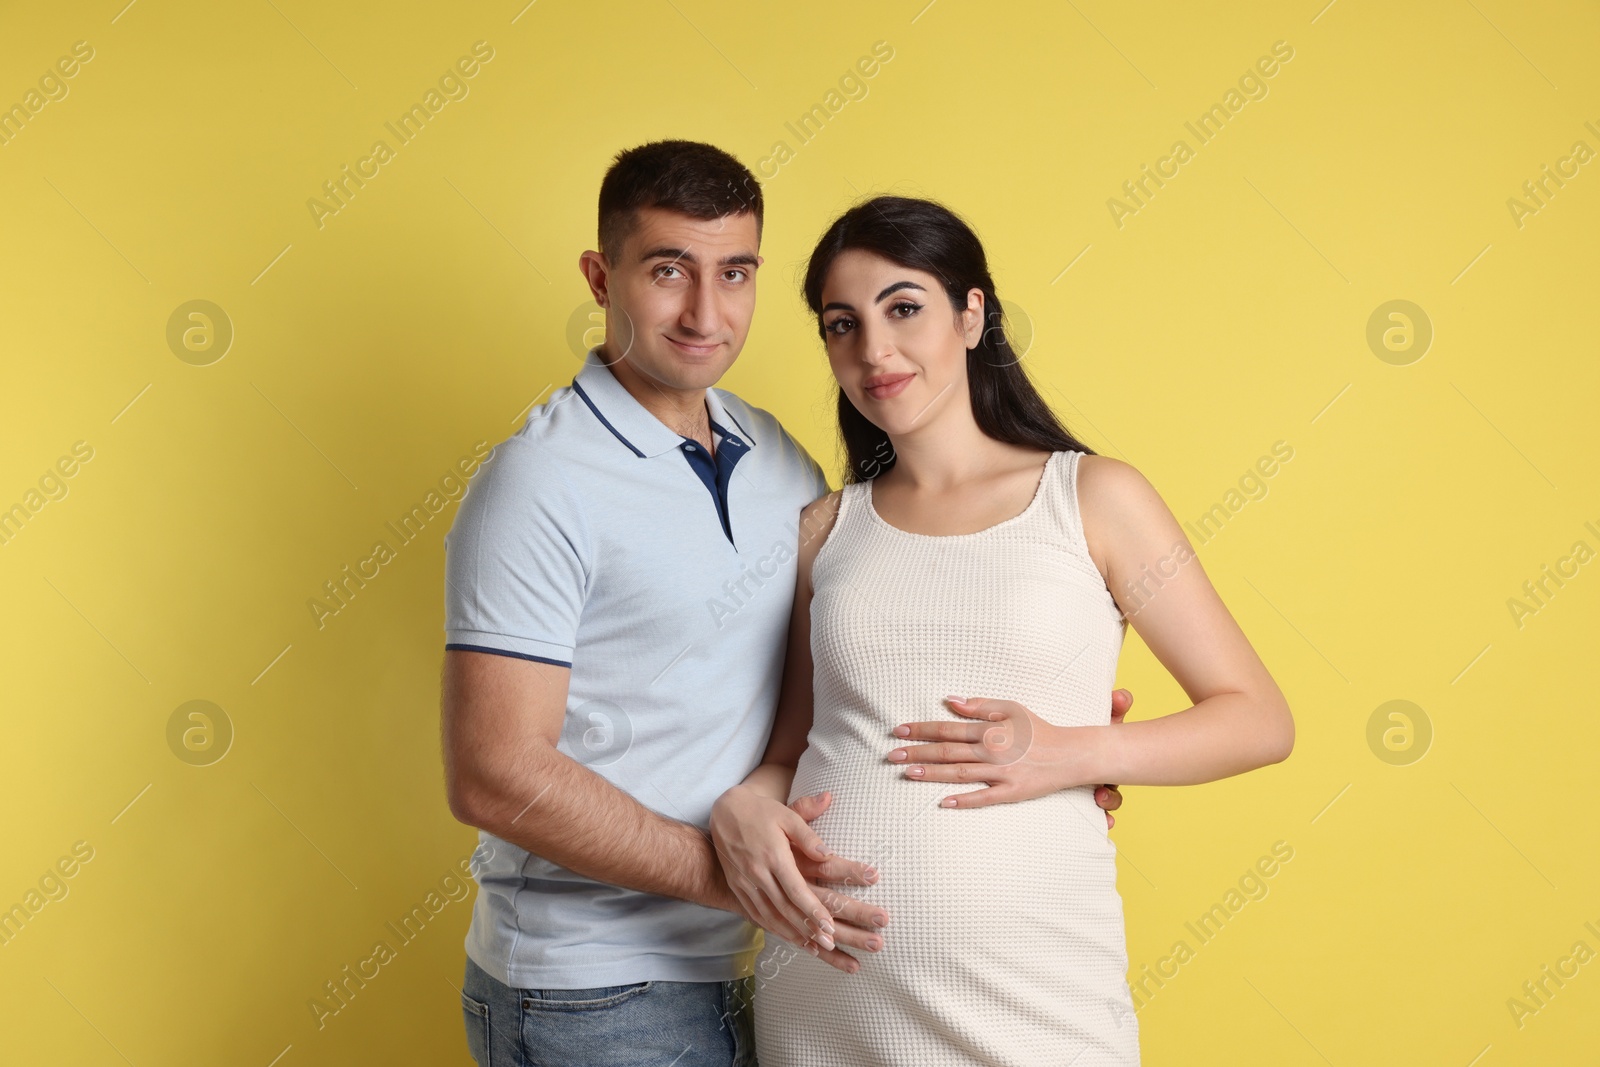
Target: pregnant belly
(1043,868)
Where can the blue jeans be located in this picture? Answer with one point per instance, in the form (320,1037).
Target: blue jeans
(643,1024)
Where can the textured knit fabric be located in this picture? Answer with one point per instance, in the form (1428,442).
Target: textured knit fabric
(1005,942)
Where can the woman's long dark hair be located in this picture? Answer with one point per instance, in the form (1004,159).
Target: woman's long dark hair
(927,236)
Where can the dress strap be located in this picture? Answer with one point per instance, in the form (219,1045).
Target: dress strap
(848,512)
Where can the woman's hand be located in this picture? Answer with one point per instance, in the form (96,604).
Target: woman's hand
(773,861)
(1020,755)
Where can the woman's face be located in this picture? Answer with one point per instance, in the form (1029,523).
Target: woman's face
(897,348)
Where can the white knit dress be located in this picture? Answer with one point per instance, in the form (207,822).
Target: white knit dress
(1005,943)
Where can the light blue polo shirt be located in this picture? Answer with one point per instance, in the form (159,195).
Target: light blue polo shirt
(598,538)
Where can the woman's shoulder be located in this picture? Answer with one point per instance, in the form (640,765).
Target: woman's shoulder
(817,520)
(1107,478)
(1117,506)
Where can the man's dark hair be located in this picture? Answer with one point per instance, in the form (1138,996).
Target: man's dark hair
(694,179)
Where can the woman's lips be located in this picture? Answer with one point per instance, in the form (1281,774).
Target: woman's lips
(893,387)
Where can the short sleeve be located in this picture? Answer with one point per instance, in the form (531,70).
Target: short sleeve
(517,559)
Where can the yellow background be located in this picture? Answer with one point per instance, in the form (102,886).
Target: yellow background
(371,353)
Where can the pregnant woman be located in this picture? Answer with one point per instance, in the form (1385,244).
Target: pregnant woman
(960,608)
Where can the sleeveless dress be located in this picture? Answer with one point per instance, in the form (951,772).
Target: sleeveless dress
(1005,942)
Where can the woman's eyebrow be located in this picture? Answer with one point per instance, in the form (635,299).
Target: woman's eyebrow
(895,288)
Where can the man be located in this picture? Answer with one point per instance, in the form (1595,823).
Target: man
(614,651)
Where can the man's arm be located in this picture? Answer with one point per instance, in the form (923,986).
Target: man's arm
(500,719)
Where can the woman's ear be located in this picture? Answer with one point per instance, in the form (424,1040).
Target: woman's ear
(972,319)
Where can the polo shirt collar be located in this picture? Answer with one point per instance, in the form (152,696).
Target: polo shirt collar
(631,422)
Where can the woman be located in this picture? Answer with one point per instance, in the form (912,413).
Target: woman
(960,608)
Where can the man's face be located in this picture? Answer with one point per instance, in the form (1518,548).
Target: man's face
(679,296)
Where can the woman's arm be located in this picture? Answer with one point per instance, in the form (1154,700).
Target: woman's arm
(774,777)
(1240,719)
(792,723)
(771,856)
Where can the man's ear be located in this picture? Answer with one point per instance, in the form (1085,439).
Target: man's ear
(972,318)
(596,270)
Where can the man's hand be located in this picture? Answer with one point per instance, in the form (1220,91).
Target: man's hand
(1020,755)
(1107,796)
(775,863)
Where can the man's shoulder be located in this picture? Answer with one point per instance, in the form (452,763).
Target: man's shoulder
(553,434)
(538,465)
(561,421)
